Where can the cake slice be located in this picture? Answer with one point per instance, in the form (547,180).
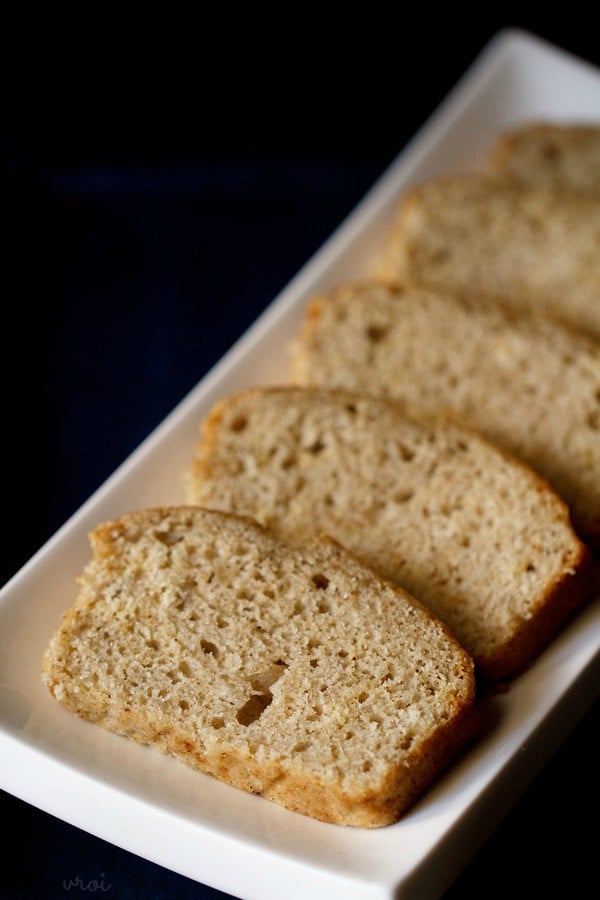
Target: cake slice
(297,674)
(527,384)
(550,154)
(470,532)
(536,248)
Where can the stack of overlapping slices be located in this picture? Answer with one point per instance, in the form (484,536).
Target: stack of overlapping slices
(413,517)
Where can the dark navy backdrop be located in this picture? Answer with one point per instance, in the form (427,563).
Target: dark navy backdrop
(132,262)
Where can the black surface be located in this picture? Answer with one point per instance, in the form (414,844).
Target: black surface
(133,262)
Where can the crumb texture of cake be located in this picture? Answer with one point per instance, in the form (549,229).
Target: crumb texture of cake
(534,247)
(550,154)
(529,385)
(296,674)
(471,532)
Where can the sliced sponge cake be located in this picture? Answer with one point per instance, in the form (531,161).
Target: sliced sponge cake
(472,533)
(527,384)
(299,675)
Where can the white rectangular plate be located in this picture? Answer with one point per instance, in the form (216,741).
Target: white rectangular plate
(157,808)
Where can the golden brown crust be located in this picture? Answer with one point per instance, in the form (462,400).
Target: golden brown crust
(570,587)
(517,233)
(259,769)
(285,783)
(566,595)
(570,475)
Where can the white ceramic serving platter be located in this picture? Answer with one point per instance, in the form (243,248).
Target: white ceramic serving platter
(157,808)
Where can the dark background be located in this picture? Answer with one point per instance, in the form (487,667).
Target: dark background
(133,260)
